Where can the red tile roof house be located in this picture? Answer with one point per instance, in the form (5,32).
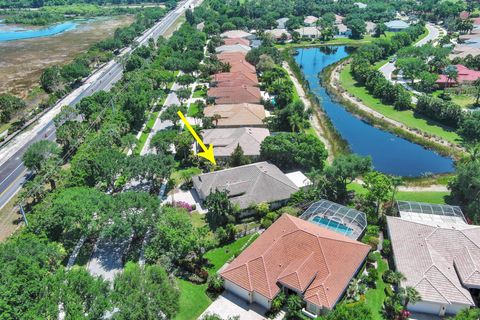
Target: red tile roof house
(234,95)
(234,79)
(465,75)
(295,255)
(233,41)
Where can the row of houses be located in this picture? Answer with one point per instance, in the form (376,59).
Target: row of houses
(313,31)
(469,43)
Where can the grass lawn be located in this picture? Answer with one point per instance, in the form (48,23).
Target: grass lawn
(422,196)
(202,93)
(193,300)
(406,117)
(192,110)
(178,175)
(219,256)
(427,196)
(374,297)
(463,100)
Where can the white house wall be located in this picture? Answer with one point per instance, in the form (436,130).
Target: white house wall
(237,290)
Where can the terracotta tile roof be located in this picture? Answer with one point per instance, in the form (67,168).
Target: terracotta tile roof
(233,41)
(295,252)
(464,75)
(237,115)
(234,95)
(234,79)
(247,185)
(237,63)
(426,254)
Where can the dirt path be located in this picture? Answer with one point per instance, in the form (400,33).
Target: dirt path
(314,120)
(335,82)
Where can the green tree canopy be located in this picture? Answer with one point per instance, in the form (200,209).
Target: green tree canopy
(294,151)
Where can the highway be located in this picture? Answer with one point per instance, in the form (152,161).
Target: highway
(13,174)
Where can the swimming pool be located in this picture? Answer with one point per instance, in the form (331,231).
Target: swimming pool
(333,225)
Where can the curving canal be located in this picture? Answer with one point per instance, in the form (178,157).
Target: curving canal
(390,154)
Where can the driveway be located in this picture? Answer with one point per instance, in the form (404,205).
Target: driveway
(229,305)
(424,316)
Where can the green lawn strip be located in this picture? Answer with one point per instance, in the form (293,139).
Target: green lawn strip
(219,256)
(146,131)
(193,300)
(192,110)
(424,196)
(406,117)
(199,93)
(419,196)
(374,297)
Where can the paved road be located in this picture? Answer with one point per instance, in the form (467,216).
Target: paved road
(434,32)
(12,171)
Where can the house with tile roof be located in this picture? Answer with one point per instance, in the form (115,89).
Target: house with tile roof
(233,41)
(310,20)
(230,79)
(235,34)
(296,256)
(237,115)
(248,185)
(225,140)
(309,32)
(277,34)
(439,258)
(281,23)
(234,95)
(397,25)
(233,48)
(465,75)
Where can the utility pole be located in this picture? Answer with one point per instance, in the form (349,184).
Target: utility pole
(23,214)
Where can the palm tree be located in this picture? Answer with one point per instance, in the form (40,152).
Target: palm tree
(476,84)
(216,117)
(451,72)
(410,295)
(396,182)
(396,277)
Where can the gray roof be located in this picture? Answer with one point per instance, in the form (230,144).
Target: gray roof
(235,34)
(277,33)
(225,140)
(247,185)
(281,22)
(397,24)
(429,256)
(233,48)
(309,31)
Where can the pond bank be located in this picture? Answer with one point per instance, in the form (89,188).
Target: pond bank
(331,76)
(390,153)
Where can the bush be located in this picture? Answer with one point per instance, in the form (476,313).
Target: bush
(215,285)
(371,258)
(447,113)
(386,247)
(373,242)
(389,291)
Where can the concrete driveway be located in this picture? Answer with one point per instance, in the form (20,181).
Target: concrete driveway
(229,305)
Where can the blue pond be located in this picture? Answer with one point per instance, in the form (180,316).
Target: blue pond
(8,33)
(332,225)
(390,154)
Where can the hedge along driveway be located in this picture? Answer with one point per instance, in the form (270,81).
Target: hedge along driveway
(407,117)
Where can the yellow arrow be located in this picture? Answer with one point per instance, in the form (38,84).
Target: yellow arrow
(207,152)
